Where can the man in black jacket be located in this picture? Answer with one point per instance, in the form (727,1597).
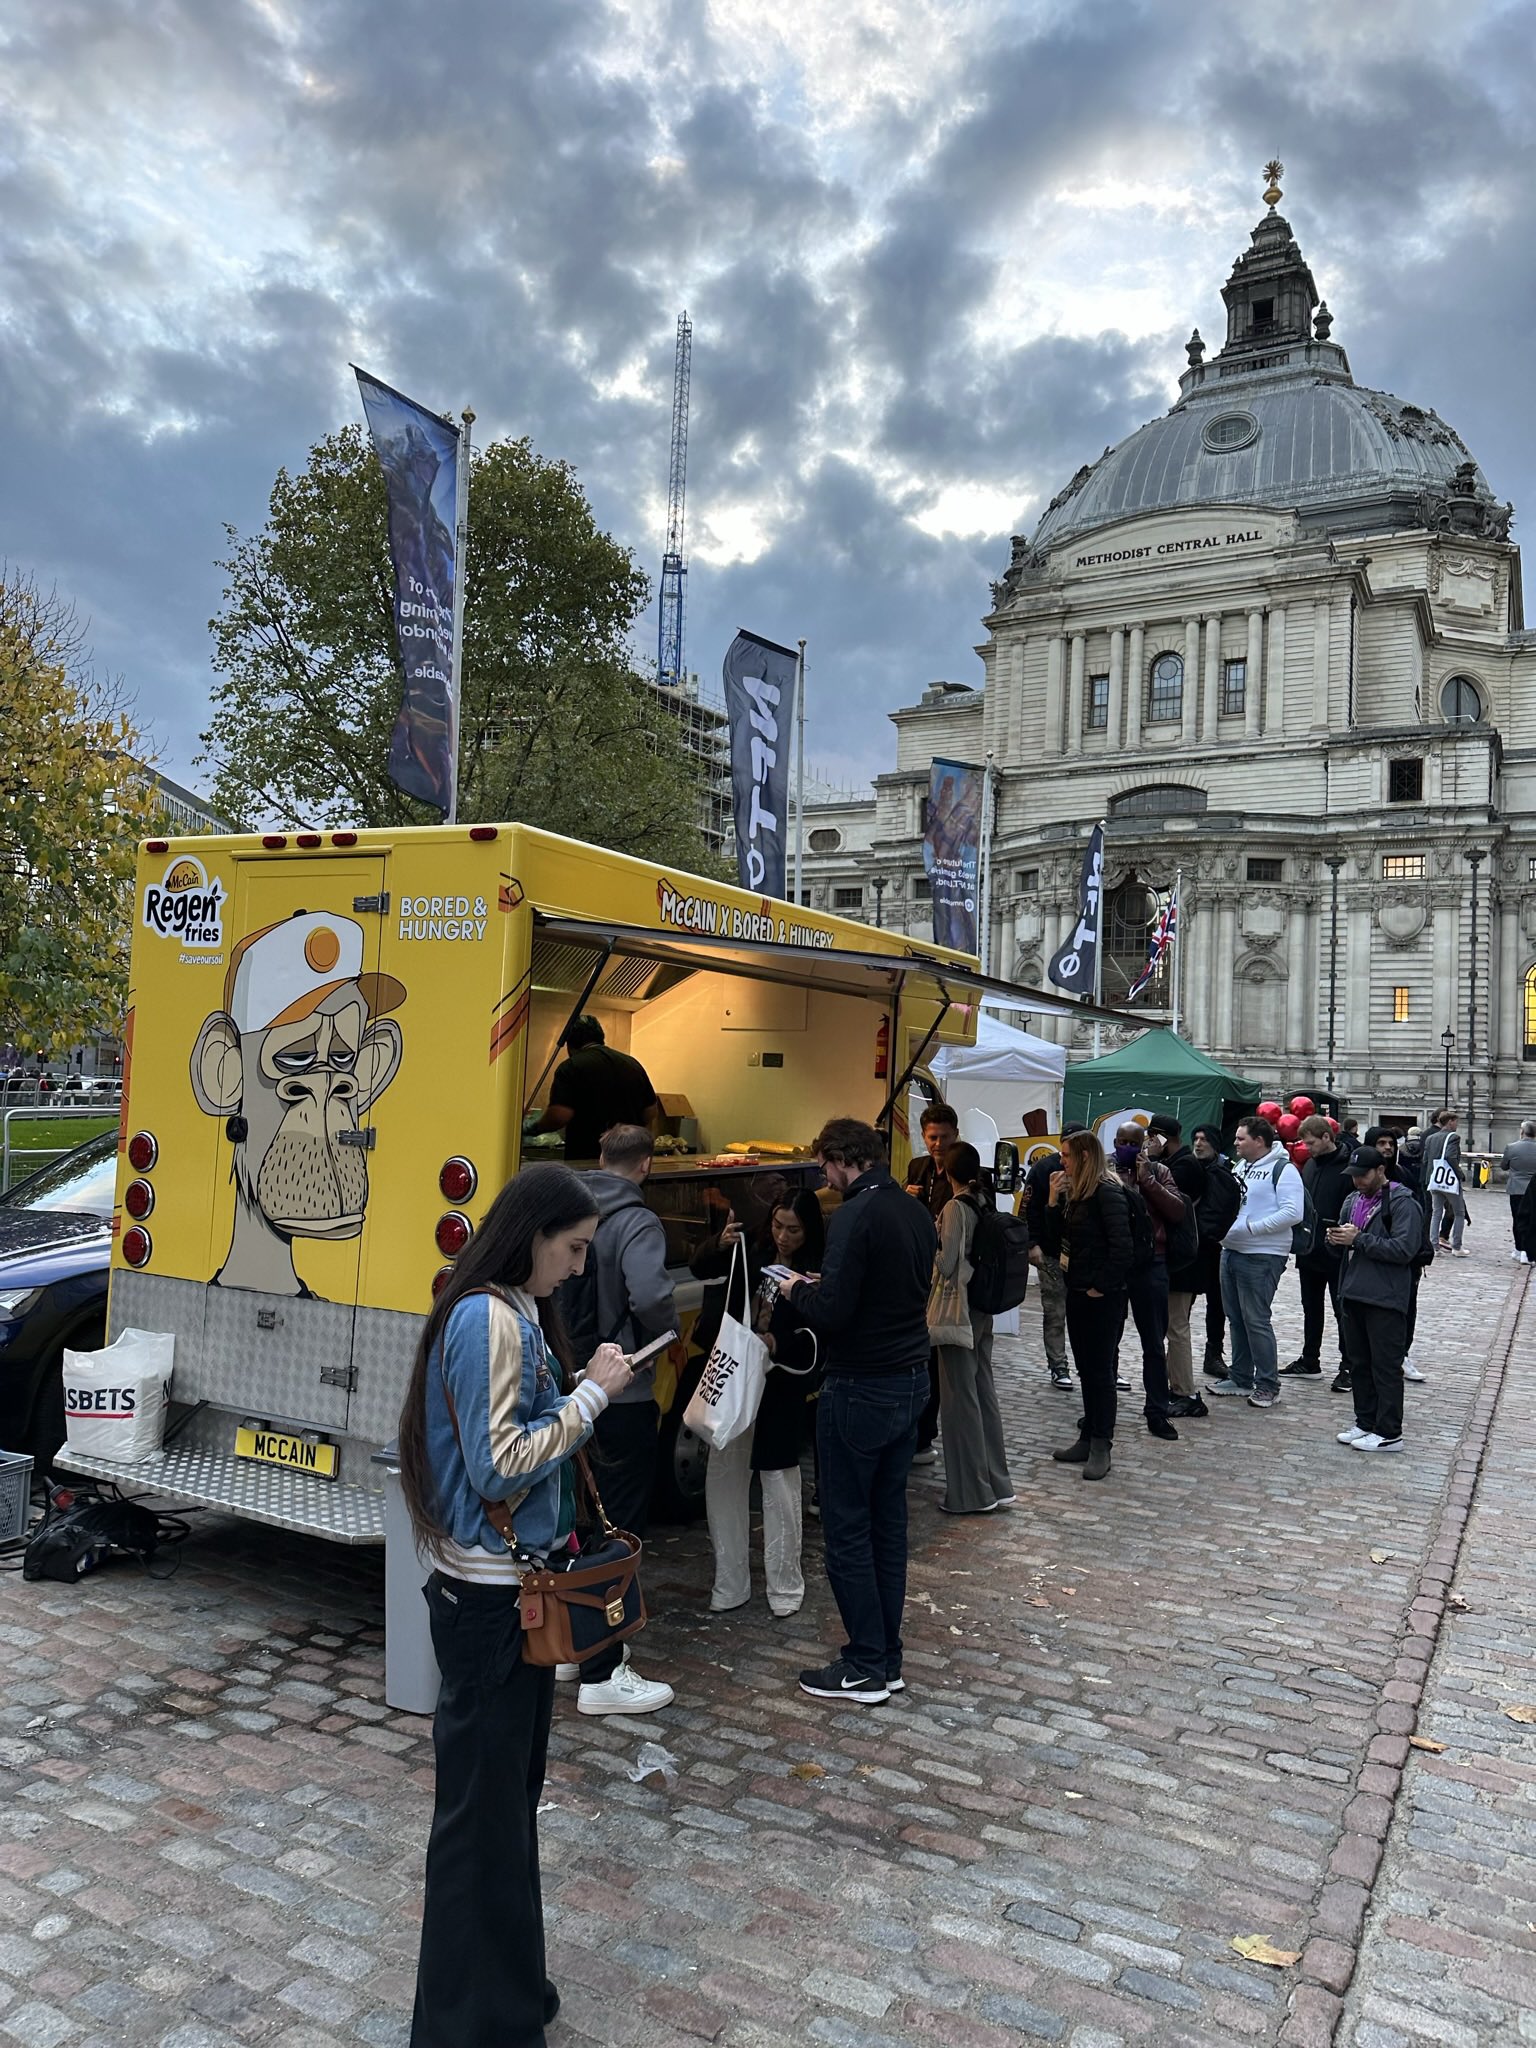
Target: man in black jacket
(1165,1144)
(870,1310)
(1326,1178)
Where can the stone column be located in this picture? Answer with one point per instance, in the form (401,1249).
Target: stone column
(1321,622)
(1252,696)
(1191,678)
(1116,686)
(1194,974)
(1055,657)
(1300,980)
(1075,694)
(1135,686)
(1274,675)
(1220,970)
(1016,699)
(1355,1026)
(1211,709)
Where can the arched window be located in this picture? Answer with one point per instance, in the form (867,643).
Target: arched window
(1529,1010)
(1159,800)
(1129,911)
(1165,688)
(1461,701)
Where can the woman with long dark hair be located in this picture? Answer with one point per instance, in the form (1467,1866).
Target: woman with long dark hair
(1087,1221)
(491,1414)
(976,1477)
(793,1235)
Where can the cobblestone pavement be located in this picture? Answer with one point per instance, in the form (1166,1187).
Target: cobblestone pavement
(1143,1717)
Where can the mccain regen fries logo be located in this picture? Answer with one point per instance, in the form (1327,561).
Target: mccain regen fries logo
(186,906)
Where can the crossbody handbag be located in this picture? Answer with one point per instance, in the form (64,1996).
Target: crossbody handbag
(571,1609)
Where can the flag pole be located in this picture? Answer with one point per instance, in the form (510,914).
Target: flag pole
(1098,958)
(985,875)
(1175,942)
(800,778)
(460,579)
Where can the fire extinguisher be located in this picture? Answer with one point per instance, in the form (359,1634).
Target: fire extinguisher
(883,1049)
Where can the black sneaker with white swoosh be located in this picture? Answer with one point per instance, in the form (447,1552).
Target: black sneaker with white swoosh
(840,1681)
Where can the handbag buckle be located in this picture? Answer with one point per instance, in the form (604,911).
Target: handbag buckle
(615,1611)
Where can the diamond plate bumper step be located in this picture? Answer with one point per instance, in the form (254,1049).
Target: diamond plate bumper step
(260,1493)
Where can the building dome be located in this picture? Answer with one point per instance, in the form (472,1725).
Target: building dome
(1276,420)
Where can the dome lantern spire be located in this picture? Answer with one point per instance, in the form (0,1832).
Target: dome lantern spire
(1274,171)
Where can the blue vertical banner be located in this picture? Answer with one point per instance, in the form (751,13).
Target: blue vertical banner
(759,678)
(1075,965)
(419,454)
(952,851)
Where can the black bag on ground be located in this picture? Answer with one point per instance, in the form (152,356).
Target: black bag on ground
(999,1261)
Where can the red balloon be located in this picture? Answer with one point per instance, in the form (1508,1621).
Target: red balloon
(1299,1153)
(1271,1110)
(1334,1125)
(1289,1126)
(1303,1105)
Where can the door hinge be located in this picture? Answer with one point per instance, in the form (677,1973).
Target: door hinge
(379,903)
(364,1139)
(344,1376)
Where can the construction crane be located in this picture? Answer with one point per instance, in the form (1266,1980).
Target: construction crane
(669,639)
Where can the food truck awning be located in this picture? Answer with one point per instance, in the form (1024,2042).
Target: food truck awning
(845,973)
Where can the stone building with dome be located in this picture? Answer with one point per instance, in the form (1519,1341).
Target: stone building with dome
(1276,639)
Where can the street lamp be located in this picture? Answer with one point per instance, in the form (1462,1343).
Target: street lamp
(1333,862)
(1448,1040)
(880,885)
(1475,860)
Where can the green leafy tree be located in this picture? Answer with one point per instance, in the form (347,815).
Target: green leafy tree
(75,799)
(555,729)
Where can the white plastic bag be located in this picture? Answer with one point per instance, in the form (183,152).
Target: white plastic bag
(114,1400)
(730,1392)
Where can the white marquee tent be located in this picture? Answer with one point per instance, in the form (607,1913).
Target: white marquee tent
(1005,1073)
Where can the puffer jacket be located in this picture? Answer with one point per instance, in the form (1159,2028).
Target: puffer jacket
(1377,1270)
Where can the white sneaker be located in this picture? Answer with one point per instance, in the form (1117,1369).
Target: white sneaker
(625,1693)
(565,1673)
(929,1456)
(1371,1442)
(1352,1435)
(1411,1371)
(1524,1258)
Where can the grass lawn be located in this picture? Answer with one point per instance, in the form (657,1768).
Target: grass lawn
(58,1133)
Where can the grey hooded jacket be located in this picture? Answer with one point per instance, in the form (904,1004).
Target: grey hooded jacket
(1378,1267)
(629,1259)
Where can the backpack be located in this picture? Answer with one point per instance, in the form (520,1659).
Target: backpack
(1221,1204)
(1183,1238)
(577,1298)
(1304,1233)
(999,1261)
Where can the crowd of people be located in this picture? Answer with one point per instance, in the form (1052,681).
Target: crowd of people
(864,1302)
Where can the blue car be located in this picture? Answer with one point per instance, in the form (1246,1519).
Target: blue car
(55,1246)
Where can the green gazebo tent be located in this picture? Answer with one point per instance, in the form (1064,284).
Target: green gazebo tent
(1158,1071)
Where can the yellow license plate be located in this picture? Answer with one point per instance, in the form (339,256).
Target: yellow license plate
(295,1453)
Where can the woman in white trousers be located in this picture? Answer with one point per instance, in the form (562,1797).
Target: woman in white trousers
(771,1448)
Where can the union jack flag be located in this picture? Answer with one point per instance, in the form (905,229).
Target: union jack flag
(1164,932)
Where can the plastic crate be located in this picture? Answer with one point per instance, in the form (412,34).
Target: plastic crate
(15,1495)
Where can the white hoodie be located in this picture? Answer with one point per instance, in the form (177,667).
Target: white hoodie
(1272,1205)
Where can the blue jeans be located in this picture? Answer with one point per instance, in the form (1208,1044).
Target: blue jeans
(1248,1283)
(866,1432)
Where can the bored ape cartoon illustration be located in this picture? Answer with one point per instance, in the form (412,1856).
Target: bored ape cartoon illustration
(301,1050)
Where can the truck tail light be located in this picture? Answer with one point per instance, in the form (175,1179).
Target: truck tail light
(274,839)
(458,1180)
(440,1280)
(343,839)
(143,1151)
(137,1246)
(138,1199)
(482,831)
(453,1233)
(308,839)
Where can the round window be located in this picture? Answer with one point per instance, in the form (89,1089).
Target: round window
(1461,701)
(1229,430)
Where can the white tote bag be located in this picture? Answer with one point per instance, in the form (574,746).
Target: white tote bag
(1443,1178)
(114,1400)
(730,1392)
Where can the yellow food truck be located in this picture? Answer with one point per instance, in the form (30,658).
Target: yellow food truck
(336,1050)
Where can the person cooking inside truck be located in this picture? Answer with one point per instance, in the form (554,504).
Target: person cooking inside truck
(593,1088)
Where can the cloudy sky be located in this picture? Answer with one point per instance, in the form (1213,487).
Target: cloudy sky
(937,253)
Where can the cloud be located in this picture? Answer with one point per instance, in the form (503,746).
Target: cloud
(938,253)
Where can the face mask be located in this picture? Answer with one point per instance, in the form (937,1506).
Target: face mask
(1127,1155)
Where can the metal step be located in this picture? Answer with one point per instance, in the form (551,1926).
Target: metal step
(260,1493)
